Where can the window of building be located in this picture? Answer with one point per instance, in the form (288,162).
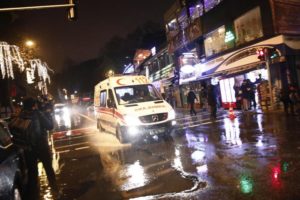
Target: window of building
(103,98)
(188,61)
(172,26)
(183,19)
(196,10)
(215,42)
(248,27)
(210,4)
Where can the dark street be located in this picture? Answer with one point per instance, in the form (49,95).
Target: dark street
(255,156)
(172,99)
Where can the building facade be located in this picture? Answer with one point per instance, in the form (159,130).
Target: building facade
(219,41)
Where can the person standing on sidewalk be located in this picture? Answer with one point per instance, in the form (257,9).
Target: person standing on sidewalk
(41,123)
(245,95)
(251,90)
(191,97)
(212,101)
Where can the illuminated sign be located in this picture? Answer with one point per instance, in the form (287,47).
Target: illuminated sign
(153,51)
(229,36)
(187,69)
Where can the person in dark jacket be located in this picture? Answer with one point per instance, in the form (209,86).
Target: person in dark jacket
(245,88)
(251,90)
(191,97)
(212,101)
(41,123)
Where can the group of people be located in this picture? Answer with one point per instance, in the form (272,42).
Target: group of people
(210,96)
(36,146)
(245,95)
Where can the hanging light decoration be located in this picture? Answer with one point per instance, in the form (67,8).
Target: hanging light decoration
(42,70)
(10,56)
(36,66)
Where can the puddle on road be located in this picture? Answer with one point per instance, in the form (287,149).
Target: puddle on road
(138,172)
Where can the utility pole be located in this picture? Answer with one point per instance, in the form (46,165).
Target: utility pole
(71,5)
(267,59)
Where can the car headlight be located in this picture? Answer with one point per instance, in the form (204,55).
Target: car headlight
(131,120)
(172,114)
(57,118)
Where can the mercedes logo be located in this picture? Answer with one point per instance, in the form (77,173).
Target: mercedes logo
(154,118)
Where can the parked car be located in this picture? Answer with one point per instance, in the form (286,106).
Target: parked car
(13,170)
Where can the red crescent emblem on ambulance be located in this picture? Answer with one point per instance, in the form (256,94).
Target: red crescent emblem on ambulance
(119,81)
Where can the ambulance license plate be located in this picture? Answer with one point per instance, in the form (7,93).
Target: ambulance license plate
(157,131)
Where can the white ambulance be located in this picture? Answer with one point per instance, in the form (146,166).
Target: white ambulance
(131,108)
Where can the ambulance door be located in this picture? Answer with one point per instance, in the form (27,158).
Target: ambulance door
(111,104)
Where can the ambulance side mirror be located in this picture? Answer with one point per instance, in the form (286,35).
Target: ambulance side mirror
(110,103)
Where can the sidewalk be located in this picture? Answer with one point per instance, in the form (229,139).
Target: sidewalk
(221,111)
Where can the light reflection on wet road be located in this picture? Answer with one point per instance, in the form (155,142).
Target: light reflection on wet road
(252,157)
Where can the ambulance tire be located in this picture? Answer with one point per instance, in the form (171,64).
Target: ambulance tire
(121,137)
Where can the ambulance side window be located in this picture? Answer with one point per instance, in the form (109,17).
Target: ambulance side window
(103,98)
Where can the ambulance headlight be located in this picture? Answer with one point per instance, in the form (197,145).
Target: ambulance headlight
(133,130)
(132,120)
(172,114)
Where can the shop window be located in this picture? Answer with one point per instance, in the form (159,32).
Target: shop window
(210,4)
(196,10)
(215,41)
(248,27)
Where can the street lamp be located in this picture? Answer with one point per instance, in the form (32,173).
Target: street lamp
(29,43)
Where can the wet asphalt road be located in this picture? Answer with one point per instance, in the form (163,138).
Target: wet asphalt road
(255,156)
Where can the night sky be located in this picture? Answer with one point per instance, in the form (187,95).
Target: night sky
(59,39)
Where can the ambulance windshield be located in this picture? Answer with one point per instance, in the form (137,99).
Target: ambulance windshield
(136,94)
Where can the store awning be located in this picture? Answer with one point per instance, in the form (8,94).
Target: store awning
(242,69)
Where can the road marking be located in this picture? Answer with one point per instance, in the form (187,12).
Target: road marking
(205,123)
(78,129)
(74,137)
(72,145)
(81,148)
(200,120)
(60,152)
(190,117)
(87,117)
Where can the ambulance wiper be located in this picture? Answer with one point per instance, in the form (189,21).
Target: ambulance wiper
(160,101)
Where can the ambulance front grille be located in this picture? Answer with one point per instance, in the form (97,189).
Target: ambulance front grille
(154,118)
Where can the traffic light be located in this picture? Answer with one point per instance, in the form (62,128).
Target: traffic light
(72,10)
(261,54)
(272,53)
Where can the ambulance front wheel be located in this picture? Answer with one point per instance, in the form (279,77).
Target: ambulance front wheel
(121,136)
